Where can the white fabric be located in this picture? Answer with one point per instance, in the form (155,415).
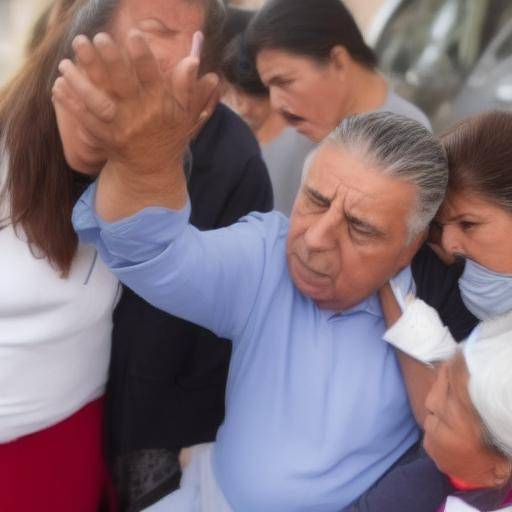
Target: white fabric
(403,285)
(489,361)
(420,333)
(198,490)
(457,505)
(55,334)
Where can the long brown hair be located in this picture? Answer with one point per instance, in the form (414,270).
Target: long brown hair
(40,185)
(479,151)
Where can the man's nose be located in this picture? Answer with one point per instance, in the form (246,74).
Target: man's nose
(450,240)
(321,235)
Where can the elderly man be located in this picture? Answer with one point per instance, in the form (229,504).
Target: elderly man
(316,410)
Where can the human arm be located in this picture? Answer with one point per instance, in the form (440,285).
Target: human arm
(137,212)
(418,376)
(418,335)
(142,119)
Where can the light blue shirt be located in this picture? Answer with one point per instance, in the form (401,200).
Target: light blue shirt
(316,410)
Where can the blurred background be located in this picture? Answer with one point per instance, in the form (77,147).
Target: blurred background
(450,57)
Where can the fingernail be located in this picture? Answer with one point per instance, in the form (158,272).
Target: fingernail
(79,40)
(101,39)
(63,65)
(197,45)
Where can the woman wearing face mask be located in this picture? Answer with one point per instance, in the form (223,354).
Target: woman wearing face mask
(57,297)
(318,70)
(475,223)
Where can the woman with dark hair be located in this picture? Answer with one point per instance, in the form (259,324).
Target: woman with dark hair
(468,430)
(312,58)
(56,309)
(283,149)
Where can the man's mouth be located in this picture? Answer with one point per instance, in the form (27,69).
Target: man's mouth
(292,118)
(311,276)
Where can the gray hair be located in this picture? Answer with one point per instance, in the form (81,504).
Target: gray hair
(402,148)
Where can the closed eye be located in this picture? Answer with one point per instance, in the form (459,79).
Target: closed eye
(467,225)
(316,198)
(157,27)
(362,228)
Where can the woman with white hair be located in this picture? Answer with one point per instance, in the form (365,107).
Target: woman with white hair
(467,412)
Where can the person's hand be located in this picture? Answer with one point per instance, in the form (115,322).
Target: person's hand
(143,119)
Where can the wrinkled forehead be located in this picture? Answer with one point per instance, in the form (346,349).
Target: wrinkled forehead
(353,182)
(337,169)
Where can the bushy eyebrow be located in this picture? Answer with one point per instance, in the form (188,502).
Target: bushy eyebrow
(361,224)
(317,196)
(364,225)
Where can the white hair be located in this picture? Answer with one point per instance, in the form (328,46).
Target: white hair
(489,361)
(399,147)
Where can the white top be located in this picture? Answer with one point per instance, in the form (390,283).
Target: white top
(55,334)
(457,505)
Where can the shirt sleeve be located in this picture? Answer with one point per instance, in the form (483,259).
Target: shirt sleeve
(209,278)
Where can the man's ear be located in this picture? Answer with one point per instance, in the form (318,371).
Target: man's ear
(410,250)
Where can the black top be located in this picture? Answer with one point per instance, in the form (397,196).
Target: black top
(437,285)
(167,376)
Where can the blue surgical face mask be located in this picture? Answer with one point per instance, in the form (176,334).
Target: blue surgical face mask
(485,293)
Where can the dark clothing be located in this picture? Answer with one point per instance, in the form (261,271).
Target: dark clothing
(414,483)
(437,284)
(168,376)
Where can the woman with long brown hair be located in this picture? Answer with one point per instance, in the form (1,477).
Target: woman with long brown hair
(58,298)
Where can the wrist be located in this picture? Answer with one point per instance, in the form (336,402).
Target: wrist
(122,192)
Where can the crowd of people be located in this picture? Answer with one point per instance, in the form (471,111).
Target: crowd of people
(240,273)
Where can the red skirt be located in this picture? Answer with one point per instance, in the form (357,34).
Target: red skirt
(60,469)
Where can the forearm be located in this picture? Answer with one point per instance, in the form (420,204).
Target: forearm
(418,379)
(389,304)
(122,192)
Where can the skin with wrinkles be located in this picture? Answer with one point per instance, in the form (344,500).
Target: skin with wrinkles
(167,28)
(348,229)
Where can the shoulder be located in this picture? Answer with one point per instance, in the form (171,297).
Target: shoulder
(226,134)
(271,226)
(399,105)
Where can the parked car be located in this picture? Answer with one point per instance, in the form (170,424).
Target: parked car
(428,48)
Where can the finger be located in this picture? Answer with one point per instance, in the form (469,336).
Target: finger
(122,78)
(142,59)
(197,45)
(208,109)
(95,100)
(63,95)
(184,82)
(89,61)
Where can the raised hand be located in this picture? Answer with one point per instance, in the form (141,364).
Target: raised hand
(139,115)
